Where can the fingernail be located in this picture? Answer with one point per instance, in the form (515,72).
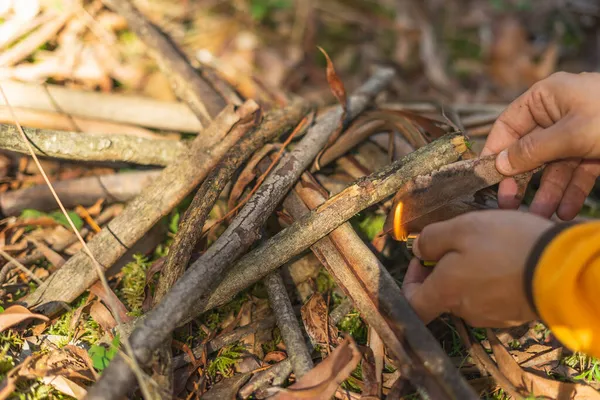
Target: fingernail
(503,164)
(415,249)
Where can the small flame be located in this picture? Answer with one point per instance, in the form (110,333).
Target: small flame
(399,232)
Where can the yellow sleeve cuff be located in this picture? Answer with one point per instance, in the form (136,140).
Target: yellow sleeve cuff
(566,285)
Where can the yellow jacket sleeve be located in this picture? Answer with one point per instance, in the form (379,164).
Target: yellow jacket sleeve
(564,285)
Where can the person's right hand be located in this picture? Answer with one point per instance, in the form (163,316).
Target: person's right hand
(556,122)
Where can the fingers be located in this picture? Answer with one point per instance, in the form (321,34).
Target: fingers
(582,182)
(440,238)
(507,194)
(540,146)
(554,182)
(419,293)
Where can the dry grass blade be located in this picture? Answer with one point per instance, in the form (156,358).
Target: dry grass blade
(136,368)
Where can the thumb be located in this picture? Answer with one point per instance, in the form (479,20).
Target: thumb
(417,293)
(540,146)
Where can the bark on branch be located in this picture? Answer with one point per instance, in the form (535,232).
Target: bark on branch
(243,231)
(92,147)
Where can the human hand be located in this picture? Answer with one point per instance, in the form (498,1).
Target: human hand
(557,121)
(479,275)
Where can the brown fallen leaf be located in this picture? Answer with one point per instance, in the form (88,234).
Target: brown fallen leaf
(321,382)
(65,386)
(530,383)
(316,321)
(102,316)
(275,356)
(335,83)
(109,298)
(16,314)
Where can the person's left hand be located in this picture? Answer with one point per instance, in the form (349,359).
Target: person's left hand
(479,274)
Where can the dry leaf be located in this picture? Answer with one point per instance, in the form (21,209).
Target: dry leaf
(102,316)
(316,321)
(16,314)
(275,356)
(530,383)
(109,299)
(321,382)
(335,83)
(65,386)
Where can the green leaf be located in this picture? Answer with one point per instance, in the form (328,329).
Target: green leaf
(59,217)
(174,223)
(31,213)
(101,356)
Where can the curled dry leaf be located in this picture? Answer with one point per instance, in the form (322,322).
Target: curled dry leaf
(102,316)
(16,314)
(530,383)
(275,356)
(321,382)
(65,386)
(316,321)
(335,83)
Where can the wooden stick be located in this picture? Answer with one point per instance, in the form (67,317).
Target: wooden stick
(243,231)
(126,109)
(187,83)
(86,147)
(156,201)
(115,188)
(289,327)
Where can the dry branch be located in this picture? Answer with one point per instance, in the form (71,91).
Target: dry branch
(57,121)
(187,83)
(289,327)
(303,233)
(86,147)
(274,124)
(243,231)
(126,109)
(156,201)
(116,188)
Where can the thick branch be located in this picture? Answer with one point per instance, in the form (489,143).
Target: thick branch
(298,237)
(187,83)
(156,201)
(243,231)
(92,147)
(190,229)
(126,109)
(289,327)
(115,188)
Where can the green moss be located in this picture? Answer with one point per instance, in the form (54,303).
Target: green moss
(134,283)
(89,330)
(224,362)
(355,327)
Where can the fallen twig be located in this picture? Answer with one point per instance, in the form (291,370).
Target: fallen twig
(126,109)
(87,147)
(157,199)
(289,327)
(115,188)
(187,83)
(244,230)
